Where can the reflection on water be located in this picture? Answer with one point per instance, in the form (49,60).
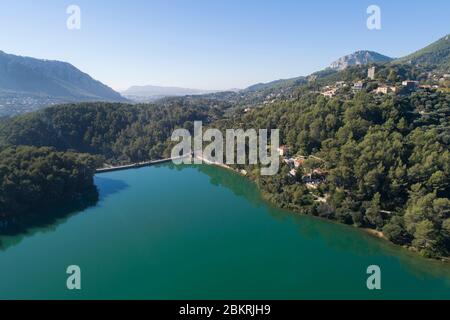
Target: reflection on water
(109,186)
(313,227)
(48,220)
(227,178)
(204,232)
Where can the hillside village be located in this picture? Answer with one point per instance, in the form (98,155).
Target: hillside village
(314,176)
(305,169)
(375,85)
(12,103)
(380,79)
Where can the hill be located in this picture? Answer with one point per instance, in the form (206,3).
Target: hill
(359,58)
(436,56)
(27,84)
(282,83)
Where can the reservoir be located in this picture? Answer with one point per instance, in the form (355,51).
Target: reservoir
(203,232)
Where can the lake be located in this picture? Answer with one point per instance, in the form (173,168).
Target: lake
(202,232)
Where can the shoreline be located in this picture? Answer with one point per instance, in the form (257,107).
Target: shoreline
(372,232)
(376,233)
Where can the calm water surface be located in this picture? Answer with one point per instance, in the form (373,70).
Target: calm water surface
(204,233)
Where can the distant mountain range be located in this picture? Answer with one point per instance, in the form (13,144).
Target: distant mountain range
(27,84)
(151,93)
(436,57)
(359,58)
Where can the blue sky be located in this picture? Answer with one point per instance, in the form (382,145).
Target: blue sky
(213,44)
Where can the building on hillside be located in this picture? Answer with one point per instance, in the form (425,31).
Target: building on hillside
(410,84)
(358,86)
(293,172)
(371,73)
(382,90)
(385,90)
(298,162)
(283,151)
(329,93)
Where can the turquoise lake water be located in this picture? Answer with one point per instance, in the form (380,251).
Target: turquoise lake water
(168,232)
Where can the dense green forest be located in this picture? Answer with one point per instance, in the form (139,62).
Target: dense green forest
(33,179)
(388,159)
(121,133)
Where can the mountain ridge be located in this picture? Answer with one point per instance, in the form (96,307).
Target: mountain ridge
(31,83)
(436,54)
(65,83)
(360,57)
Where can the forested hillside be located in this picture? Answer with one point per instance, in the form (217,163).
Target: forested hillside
(436,56)
(388,160)
(33,179)
(121,133)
